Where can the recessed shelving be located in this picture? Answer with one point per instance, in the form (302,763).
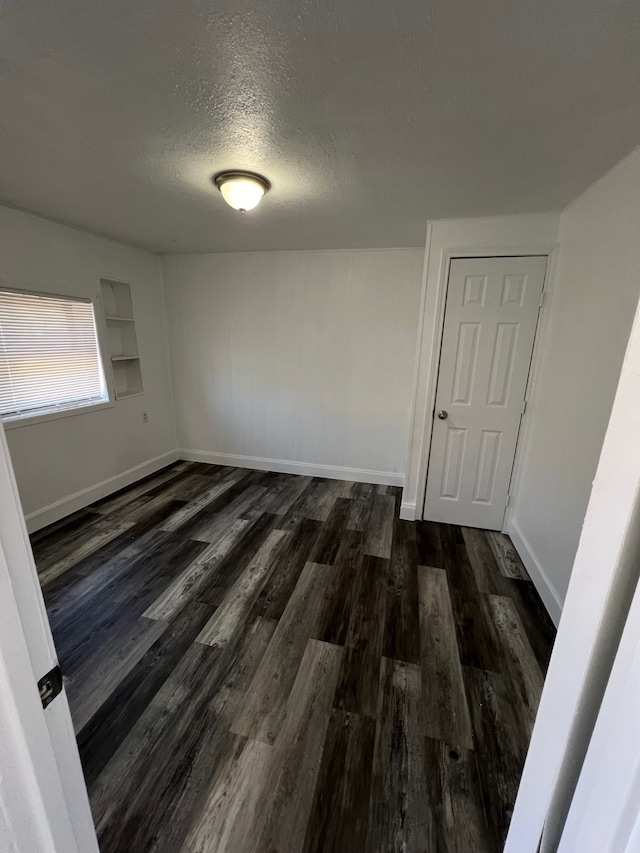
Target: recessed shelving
(122,340)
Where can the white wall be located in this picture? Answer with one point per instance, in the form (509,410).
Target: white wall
(591,312)
(299,361)
(57,459)
(590,638)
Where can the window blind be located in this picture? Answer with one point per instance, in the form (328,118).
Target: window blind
(49,355)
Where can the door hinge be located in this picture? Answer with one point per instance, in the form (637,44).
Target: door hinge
(543,298)
(524,406)
(50,685)
(508,501)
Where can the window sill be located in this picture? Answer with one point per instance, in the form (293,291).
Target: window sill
(31,420)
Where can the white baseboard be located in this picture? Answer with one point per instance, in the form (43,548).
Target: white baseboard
(65,506)
(284,466)
(408,511)
(548,593)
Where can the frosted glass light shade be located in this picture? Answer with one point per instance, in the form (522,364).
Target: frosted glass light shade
(241,190)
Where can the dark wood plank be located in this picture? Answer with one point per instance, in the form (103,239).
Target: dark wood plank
(255,642)
(132,797)
(292,555)
(339,818)
(85,630)
(146,796)
(361,507)
(212,492)
(379,532)
(113,720)
(506,556)
(92,680)
(334,625)
(455,796)
(207,524)
(539,626)
(297,757)
(262,798)
(315,501)
(55,559)
(357,689)
(478,643)
(129,544)
(501,744)
(482,559)
(520,664)
(329,540)
(402,635)
(401,817)
(460,573)
(231,616)
(429,544)
(264,710)
(117,500)
(282,493)
(445,711)
(231,566)
(187,584)
(68,526)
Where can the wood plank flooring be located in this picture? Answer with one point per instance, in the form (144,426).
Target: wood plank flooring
(271,663)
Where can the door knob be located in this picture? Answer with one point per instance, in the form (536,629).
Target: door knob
(443,415)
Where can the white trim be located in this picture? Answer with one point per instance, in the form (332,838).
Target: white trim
(502,236)
(17,421)
(539,345)
(168,364)
(420,422)
(415,449)
(548,593)
(285,466)
(429,344)
(293,251)
(605,809)
(78,500)
(408,511)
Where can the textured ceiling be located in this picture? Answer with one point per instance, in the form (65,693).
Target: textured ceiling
(368,117)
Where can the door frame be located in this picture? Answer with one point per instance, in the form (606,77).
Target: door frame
(428,349)
(46,807)
(456,255)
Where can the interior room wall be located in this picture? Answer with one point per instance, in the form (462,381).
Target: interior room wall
(591,311)
(63,464)
(295,361)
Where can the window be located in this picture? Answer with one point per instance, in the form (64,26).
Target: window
(49,355)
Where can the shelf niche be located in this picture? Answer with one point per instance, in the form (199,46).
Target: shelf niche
(121,338)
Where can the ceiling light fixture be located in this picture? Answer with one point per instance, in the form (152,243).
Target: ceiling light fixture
(241,190)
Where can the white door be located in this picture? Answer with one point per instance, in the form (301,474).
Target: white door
(489,327)
(44,807)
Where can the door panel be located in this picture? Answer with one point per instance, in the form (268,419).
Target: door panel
(490,323)
(56,804)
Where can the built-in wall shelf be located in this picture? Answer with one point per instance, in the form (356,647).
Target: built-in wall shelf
(121,337)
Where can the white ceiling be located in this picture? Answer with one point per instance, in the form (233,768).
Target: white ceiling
(368,116)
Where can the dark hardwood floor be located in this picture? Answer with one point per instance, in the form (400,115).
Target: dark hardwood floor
(265,662)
